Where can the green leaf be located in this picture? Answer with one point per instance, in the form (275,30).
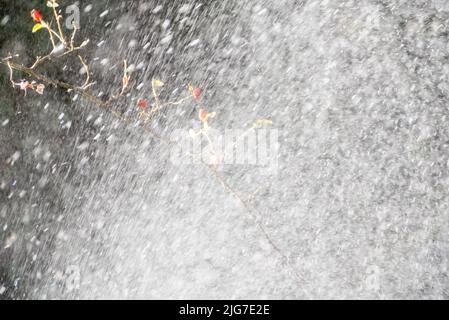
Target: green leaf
(37,27)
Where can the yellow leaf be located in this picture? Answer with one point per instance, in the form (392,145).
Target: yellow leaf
(37,27)
(52,4)
(157,83)
(211,115)
(262,122)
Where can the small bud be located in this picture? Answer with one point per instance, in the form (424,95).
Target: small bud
(40,88)
(142,104)
(37,15)
(202,115)
(196,92)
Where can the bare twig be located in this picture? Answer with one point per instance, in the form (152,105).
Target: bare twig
(40,60)
(256,217)
(125,84)
(11,76)
(155,83)
(50,33)
(72,38)
(175,103)
(82,45)
(58,22)
(72,88)
(125,79)
(252,196)
(86,68)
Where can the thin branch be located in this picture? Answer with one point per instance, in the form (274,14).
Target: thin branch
(86,68)
(51,37)
(156,98)
(40,60)
(244,204)
(72,39)
(78,90)
(256,216)
(176,103)
(125,79)
(11,76)
(8,57)
(52,34)
(82,45)
(125,84)
(58,22)
(252,196)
